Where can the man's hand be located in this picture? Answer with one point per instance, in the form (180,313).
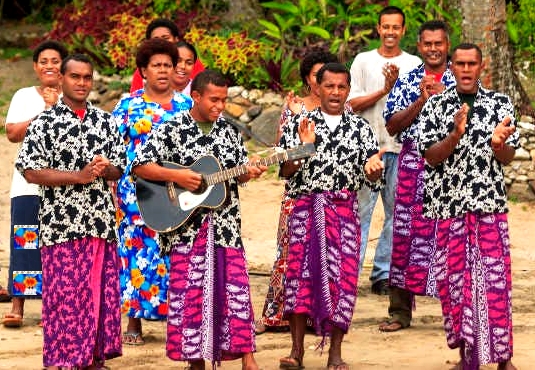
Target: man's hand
(501,133)
(294,102)
(374,166)
(391,73)
(460,120)
(188,179)
(306,131)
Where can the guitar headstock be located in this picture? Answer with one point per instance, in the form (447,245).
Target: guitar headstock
(301,151)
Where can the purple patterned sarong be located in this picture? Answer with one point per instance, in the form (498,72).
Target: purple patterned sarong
(413,243)
(210,310)
(323,259)
(474,285)
(81,310)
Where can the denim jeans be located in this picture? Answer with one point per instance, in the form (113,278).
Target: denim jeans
(367,200)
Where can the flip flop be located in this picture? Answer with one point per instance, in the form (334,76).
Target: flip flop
(133,339)
(290,363)
(12,320)
(391,326)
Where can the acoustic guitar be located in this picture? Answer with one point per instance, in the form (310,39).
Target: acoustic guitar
(165,206)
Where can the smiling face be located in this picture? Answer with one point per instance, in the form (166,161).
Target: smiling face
(391,30)
(47,68)
(433,47)
(333,91)
(182,74)
(466,66)
(158,72)
(209,105)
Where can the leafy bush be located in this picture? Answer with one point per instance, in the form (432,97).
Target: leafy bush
(520,25)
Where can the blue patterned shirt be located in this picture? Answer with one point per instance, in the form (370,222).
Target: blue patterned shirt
(405,92)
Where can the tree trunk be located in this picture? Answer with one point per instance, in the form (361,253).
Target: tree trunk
(243,11)
(484,25)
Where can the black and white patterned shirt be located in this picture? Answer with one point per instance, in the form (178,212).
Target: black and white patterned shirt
(340,154)
(181,141)
(58,139)
(471,179)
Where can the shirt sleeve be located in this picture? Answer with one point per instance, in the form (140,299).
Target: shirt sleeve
(357,79)
(33,152)
(430,127)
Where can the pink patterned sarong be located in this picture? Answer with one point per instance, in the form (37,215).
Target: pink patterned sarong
(210,310)
(81,310)
(323,259)
(413,243)
(474,285)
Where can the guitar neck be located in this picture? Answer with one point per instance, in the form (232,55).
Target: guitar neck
(224,175)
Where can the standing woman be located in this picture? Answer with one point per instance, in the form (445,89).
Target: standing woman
(144,274)
(274,305)
(25,274)
(187,56)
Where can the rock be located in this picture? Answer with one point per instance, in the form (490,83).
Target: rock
(241,101)
(245,118)
(235,110)
(270,98)
(266,125)
(234,91)
(522,154)
(254,111)
(254,95)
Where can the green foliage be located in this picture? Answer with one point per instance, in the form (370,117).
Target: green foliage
(418,12)
(15,53)
(520,25)
(235,54)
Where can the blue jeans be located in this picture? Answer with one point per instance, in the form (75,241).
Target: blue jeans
(367,200)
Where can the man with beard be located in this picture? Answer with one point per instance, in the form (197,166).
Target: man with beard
(413,235)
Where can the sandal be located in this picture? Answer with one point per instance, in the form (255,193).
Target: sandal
(391,326)
(338,366)
(12,320)
(291,363)
(133,339)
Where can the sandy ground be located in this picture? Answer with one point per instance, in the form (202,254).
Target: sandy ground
(421,347)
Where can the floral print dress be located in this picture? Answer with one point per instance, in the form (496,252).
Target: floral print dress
(144,273)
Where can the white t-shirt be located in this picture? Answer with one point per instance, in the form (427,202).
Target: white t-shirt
(25,104)
(367,77)
(332,121)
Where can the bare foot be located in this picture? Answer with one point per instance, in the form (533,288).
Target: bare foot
(507,365)
(248,362)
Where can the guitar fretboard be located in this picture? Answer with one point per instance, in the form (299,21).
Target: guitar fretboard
(224,175)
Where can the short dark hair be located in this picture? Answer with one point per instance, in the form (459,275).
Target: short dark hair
(162,22)
(334,68)
(76,57)
(50,44)
(312,58)
(150,47)
(391,10)
(189,46)
(208,76)
(468,46)
(434,25)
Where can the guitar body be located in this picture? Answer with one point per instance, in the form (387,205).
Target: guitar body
(166,206)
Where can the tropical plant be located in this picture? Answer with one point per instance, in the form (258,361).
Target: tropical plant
(520,25)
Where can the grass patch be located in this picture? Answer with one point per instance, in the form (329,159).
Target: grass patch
(15,53)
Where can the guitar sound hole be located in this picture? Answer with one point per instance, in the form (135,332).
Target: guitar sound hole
(202,188)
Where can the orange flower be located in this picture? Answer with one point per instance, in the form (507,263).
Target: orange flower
(30,281)
(154,290)
(161,269)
